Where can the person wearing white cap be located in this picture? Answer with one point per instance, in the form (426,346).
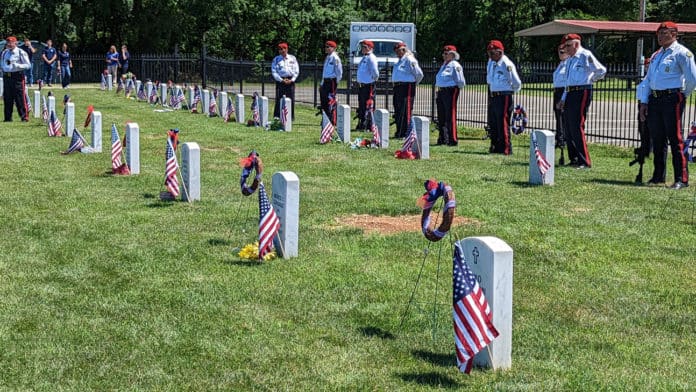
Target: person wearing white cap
(406,74)
(449,80)
(368,73)
(14,62)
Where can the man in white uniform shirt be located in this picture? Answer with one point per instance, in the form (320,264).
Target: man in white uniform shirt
(406,74)
(503,81)
(330,76)
(285,70)
(368,73)
(14,62)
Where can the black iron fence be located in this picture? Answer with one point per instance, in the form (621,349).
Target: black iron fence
(612,118)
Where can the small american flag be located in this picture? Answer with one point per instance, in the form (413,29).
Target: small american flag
(411,139)
(327,129)
(88,120)
(212,106)
(196,99)
(229,111)
(170,169)
(116,148)
(284,112)
(44,109)
(376,140)
(54,125)
(141,92)
(27,100)
(473,323)
(541,161)
(154,98)
(120,86)
(255,110)
(76,143)
(130,86)
(103,82)
(269,224)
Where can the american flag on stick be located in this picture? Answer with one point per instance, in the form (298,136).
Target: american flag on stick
(170,169)
(116,148)
(284,112)
(472,320)
(154,98)
(269,224)
(120,86)
(376,139)
(28,102)
(44,109)
(88,120)
(541,161)
(229,111)
(256,116)
(327,128)
(212,107)
(410,140)
(141,92)
(196,99)
(76,143)
(54,125)
(103,82)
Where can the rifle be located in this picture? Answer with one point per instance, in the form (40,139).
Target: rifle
(643,151)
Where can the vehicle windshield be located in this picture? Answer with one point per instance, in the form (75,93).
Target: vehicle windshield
(381,49)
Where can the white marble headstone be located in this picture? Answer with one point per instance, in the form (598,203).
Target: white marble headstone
(239,108)
(51,104)
(163,94)
(138,83)
(223,104)
(547,146)
(69,118)
(110,82)
(286,203)
(37,103)
(191,93)
(490,259)
(382,120)
(263,110)
(343,122)
(96,131)
(422,146)
(2,87)
(191,171)
(148,90)
(205,101)
(132,145)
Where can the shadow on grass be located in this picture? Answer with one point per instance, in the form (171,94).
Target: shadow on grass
(615,182)
(219,242)
(431,379)
(438,359)
(244,263)
(378,332)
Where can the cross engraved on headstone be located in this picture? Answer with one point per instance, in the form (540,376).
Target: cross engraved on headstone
(475,253)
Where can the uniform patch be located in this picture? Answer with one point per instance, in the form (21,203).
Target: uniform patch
(591,60)
(688,54)
(509,68)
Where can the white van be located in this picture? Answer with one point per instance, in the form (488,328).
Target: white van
(384,35)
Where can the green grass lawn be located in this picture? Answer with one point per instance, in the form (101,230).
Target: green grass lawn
(105,287)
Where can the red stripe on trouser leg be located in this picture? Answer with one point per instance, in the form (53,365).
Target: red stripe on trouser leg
(453,114)
(683,162)
(506,124)
(583,110)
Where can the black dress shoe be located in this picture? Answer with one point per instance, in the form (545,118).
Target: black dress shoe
(654,181)
(679,185)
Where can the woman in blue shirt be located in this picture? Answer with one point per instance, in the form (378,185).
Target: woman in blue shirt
(112,62)
(65,65)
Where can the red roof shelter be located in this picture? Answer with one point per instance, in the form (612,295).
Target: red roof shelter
(603,27)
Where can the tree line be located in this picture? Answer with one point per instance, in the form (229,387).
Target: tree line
(245,29)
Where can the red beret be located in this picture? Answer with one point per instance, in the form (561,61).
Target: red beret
(331,44)
(667,25)
(569,37)
(11,39)
(399,45)
(368,43)
(450,48)
(495,44)
(282,45)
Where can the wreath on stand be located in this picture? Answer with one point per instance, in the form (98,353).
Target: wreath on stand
(433,191)
(519,120)
(251,163)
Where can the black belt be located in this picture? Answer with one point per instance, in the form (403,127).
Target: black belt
(446,88)
(365,84)
(9,74)
(499,93)
(402,83)
(330,79)
(579,88)
(662,93)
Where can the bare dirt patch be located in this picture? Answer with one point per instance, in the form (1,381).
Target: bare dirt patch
(386,225)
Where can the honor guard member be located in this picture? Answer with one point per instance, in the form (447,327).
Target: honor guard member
(559,82)
(503,81)
(671,77)
(29,74)
(49,56)
(583,70)
(285,71)
(368,73)
(406,74)
(14,62)
(330,76)
(449,80)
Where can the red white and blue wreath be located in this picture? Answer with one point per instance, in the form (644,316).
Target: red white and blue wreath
(519,120)
(433,191)
(249,164)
